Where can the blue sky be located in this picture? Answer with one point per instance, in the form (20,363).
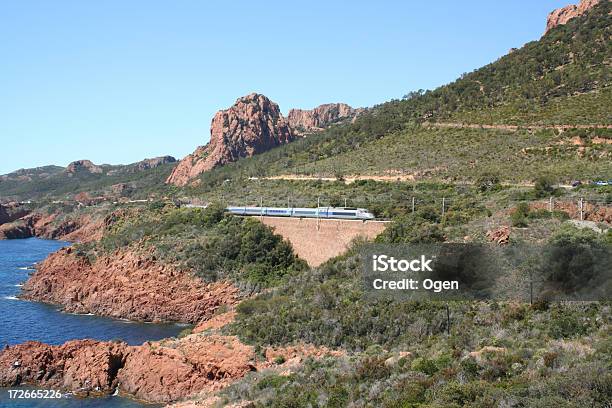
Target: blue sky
(118,81)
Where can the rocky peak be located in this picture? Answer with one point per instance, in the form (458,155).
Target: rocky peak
(83,166)
(313,120)
(563,15)
(154,162)
(252,125)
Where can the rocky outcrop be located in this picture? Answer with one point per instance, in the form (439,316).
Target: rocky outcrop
(500,236)
(12,211)
(83,166)
(52,226)
(194,367)
(155,371)
(87,367)
(308,121)
(254,124)
(126,285)
(174,369)
(16,230)
(563,15)
(147,164)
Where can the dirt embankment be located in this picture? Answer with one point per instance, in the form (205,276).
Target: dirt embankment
(590,211)
(126,285)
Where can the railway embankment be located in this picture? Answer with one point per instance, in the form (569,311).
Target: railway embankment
(317,240)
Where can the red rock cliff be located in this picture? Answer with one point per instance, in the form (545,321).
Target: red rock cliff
(563,15)
(155,371)
(252,125)
(313,120)
(125,285)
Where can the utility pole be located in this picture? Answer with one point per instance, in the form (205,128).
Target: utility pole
(318,214)
(448,321)
(581,206)
(413,200)
(530,287)
(443,203)
(550,204)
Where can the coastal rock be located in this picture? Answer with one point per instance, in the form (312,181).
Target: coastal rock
(562,15)
(12,211)
(253,125)
(175,369)
(83,166)
(313,120)
(162,371)
(16,230)
(126,285)
(52,226)
(83,366)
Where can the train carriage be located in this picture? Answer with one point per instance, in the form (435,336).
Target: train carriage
(321,212)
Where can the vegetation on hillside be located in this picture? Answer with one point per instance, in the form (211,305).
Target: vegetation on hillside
(207,242)
(59,185)
(406,353)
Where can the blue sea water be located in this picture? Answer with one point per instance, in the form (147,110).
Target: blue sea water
(24,320)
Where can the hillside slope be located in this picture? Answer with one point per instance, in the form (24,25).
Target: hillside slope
(561,79)
(54,182)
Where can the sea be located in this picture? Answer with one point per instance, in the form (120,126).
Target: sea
(22,320)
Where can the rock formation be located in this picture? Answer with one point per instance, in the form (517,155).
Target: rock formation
(168,370)
(84,366)
(313,120)
(155,371)
(154,162)
(12,211)
(126,285)
(563,15)
(500,236)
(252,125)
(83,166)
(78,229)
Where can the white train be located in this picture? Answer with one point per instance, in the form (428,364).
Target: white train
(321,212)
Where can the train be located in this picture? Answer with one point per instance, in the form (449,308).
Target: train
(346,213)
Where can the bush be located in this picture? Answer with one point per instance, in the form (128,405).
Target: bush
(544,187)
(519,216)
(488,182)
(424,365)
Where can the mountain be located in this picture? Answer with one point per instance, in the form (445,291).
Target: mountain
(252,125)
(29,174)
(513,116)
(135,179)
(561,79)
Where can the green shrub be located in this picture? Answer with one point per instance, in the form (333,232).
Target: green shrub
(424,365)
(519,216)
(544,187)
